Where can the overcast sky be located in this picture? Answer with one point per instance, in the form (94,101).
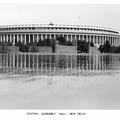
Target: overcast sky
(107,15)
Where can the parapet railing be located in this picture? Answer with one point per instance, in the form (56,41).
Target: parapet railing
(58,64)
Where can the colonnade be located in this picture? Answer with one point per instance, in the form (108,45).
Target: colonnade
(27,38)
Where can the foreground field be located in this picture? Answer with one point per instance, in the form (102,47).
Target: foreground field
(60,92)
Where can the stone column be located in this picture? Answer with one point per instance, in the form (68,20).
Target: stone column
(14,39)
(99,40)
(21,38)
(116,41)
(42,37)
(29,38)
(109,39)
(25,38)
(79,37)
(50,35)
(75,37)
(95,39)
(102,40)
(45,36)
(33,38)
(1,38)
(7,38)
(37,37)
(71,38)
(67,38)
(83,37)
(105,39)
(54,36)
(86,38)
(10,38)
(112,40)
(17,38)
(90,38)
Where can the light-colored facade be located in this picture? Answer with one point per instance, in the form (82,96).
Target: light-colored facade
(35,32)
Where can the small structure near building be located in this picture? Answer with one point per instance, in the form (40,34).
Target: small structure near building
(65,49)
(41,49)
(56,48)
(9,49)
(94,50)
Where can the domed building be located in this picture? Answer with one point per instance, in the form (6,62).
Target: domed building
(36,32)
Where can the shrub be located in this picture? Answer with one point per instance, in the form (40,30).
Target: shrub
(21,46)
(105,48)
(33,48)
(117,49)
(83,46)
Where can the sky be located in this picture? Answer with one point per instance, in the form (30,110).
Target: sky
(106,15)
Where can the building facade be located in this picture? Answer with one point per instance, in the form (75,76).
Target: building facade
(35,32)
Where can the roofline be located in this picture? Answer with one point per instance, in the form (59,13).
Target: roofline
(58,25)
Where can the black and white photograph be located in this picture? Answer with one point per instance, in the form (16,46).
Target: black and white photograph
(59,56)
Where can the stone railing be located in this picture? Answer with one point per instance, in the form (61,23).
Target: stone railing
(58,64)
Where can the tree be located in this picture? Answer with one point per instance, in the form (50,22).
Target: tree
(61,40)
(82,46)
(101,49)
(34,48)
(117,49)
(91,44)
(21,46)
(105,48)
(27,47)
